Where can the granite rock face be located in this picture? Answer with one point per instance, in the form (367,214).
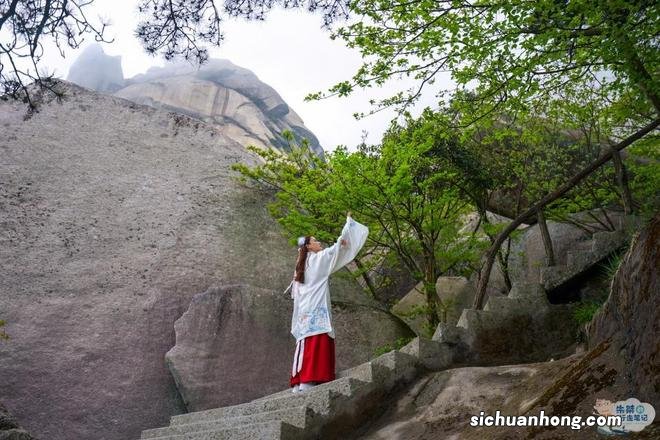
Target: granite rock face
(439,405)
(630,319)
(528,257)
(113,216)
(224,94)
(220,357)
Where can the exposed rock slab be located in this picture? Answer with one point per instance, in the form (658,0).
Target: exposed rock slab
(226,352)
(630,319)
(113,216)
(219,92)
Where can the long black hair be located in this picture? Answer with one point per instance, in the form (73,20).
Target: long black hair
(302,259)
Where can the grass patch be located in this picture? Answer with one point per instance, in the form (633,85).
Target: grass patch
(585,311)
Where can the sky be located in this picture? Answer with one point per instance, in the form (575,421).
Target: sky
(288,51)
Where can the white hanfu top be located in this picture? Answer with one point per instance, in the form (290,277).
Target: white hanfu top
(312,313)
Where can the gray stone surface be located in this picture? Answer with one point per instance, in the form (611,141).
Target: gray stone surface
(220,92)
(329,410)
(630,319)
(221,356)
(439,405)
(571,246)
(269,430)
(113,216)
(522,327)
(297,416)
(224,94)
(430,354)
(227,344)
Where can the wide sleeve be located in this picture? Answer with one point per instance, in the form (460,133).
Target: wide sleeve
(355,234)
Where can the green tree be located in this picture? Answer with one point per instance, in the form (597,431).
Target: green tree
(412,198)
(415,196)
(515,56)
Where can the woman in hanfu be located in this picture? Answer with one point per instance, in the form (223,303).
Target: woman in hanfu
(311,323)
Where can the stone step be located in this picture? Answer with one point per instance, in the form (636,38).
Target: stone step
(472,319)
(394,366)
(311,408)
(271,430)
(318,398)
(516,306)
(431,354)
(606,242)
(527,290)
(363,372)
(298,417)
(577,261)
(283,393)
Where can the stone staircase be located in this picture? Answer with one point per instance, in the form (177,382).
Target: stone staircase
(520,327)
(584,255)
(335,408)
(523,300)
(523,325)
(327,410)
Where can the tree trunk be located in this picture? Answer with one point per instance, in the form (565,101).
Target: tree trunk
(432,303)
(501,258)
(551,197)
(622,181)
(365,277)
(547,240)
(504,265)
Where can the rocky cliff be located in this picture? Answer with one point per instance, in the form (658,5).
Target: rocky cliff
(113,217)
(221,93)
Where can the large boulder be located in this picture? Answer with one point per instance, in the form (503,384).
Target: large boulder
(528,255)
(225,352)
(113,216)
(630,319)
(219,92)
(224,94)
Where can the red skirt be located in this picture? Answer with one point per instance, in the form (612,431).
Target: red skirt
(318,360)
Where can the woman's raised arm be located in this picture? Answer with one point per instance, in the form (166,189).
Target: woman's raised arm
(353,235)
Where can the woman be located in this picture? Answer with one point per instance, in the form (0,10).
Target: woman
(311,323)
